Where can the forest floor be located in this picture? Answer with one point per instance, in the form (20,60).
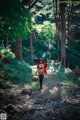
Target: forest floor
(56,101)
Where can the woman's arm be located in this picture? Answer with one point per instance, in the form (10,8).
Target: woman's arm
(36,72)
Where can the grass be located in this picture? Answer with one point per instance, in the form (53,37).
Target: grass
(65,77)
(16,72)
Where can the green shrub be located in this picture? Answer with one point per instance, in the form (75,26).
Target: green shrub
(65,75)
(6,51)
(16,72)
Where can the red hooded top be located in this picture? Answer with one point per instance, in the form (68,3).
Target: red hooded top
(42,65)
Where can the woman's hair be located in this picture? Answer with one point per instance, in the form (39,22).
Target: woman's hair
(40,59)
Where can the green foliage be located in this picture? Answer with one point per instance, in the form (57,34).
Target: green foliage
(47,31)
(66,75)
(43,11)
(16,72)
(73,54)
(59,72)
(44,38)
(6,52)
(27,57)
(14,19)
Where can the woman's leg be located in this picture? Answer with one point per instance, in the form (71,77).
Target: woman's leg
(41,80)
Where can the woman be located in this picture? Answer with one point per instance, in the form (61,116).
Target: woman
(41,70)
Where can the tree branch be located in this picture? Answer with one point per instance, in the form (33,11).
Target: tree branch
(33,4)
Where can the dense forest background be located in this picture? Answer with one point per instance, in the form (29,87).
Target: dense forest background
(39,28)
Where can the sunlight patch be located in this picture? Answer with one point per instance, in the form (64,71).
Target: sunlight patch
(54,90)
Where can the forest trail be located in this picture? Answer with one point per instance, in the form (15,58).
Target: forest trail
(53,102)
(50,85)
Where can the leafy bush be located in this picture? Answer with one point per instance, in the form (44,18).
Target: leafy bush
(44,38)
(66,75)
(16,72)
(6,52)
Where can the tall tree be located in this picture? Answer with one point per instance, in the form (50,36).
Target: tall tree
(69,12)
(18,49)
(57,17)
(13,17)
(63,31)
(14,23)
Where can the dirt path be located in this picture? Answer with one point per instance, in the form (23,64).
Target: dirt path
(50,87)
(53,102)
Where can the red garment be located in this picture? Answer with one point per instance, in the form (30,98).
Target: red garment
(45,68)
(42,65)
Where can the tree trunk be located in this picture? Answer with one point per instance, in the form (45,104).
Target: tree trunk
(68,61)
(58,43)
(70,13)
(31,47)
(57,16)
(57,31)
(18,49)
(63,30)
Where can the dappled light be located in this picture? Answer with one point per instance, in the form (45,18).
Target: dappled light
(54,90)
(39,59)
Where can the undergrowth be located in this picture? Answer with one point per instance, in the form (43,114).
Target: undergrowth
(66,75)
(14,71)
